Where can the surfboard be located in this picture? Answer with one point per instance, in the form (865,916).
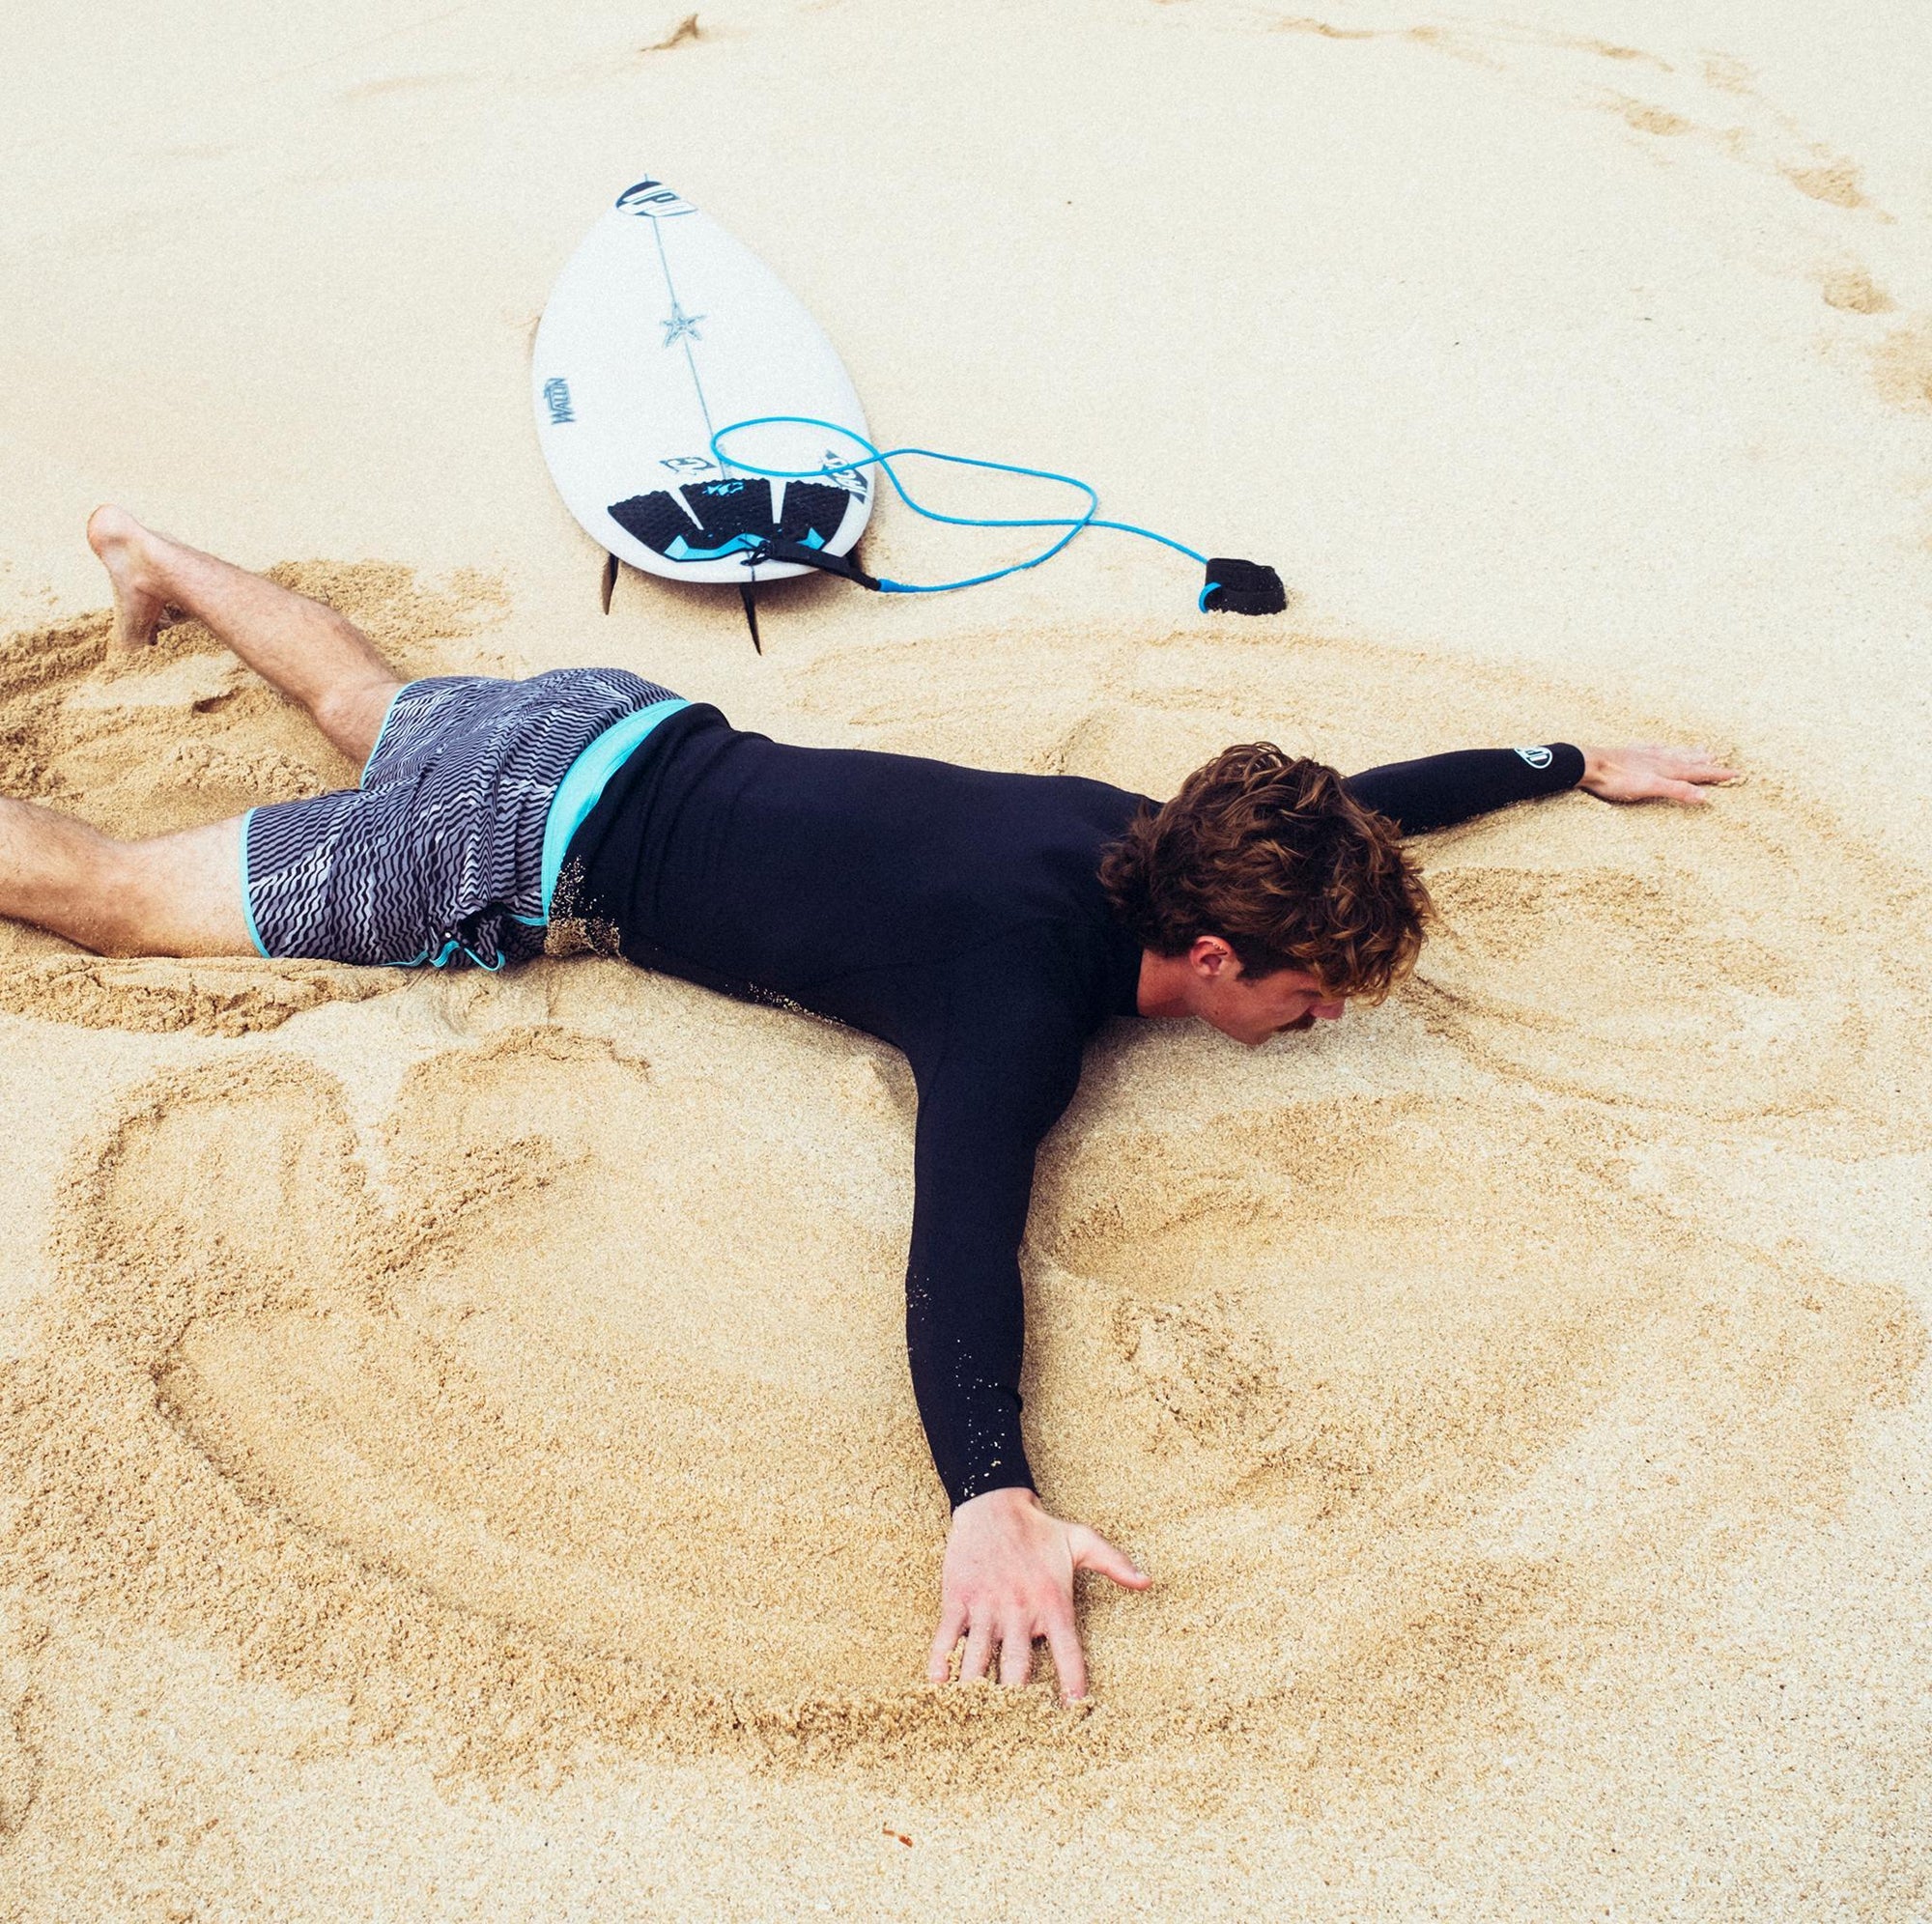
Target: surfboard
(662,331)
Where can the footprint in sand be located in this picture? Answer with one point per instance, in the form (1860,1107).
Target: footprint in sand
(1903,366)
(1832,180)
(572,1409)
(1853,290)
(178,735)
(1647,118)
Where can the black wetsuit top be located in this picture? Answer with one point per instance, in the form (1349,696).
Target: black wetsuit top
(958,915)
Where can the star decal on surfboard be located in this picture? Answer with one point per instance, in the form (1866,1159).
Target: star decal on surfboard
(678,325)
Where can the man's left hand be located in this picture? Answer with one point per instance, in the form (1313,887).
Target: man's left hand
(1652,772)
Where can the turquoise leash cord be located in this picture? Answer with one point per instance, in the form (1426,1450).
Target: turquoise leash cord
(1233,585)
(883,458)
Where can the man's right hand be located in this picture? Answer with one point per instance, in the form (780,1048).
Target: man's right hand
(1008,1578)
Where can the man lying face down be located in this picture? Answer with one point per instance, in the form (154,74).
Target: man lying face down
(986,924)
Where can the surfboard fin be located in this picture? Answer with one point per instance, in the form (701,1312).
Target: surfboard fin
(1242,587)
(610,580)
(748,594)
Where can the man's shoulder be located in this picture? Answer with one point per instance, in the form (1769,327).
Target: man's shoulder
(1085,793)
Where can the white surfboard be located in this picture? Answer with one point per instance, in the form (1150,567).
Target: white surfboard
(661,332)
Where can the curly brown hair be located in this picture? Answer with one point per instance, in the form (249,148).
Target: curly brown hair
(1270,852)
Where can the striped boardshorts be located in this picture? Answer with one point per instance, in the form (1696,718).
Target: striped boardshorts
(438,856)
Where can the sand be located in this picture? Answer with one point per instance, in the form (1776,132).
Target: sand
(456,1452)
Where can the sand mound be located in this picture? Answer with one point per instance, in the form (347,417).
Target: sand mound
(175,736)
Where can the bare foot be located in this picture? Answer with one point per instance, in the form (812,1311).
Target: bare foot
(128,550)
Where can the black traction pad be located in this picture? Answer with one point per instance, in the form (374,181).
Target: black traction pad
(720,512)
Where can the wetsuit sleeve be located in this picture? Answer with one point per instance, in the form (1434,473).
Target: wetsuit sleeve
(1439,791)
(993,1078)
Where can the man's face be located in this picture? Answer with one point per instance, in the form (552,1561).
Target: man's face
(1255,1008)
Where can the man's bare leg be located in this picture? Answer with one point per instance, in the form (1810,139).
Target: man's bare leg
(177,894)
(309,652)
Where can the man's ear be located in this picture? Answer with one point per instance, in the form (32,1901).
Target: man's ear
(1211,957)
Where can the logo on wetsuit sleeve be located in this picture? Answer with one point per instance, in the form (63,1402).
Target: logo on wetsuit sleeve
(1536,757)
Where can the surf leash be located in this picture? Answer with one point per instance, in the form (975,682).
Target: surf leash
(1232,586)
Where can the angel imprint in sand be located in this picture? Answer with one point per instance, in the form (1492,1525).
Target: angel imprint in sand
(986,924)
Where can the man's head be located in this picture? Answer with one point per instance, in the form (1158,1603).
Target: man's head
(1267,894)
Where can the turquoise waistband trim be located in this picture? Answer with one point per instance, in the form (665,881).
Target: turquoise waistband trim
(578,793)
(248,904)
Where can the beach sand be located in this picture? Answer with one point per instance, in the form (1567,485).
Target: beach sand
(456,1450)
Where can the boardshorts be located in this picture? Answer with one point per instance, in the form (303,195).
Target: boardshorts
(439,857)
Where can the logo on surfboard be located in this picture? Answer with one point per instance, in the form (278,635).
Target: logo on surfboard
(556,398)
(840,473)
(654,201)
(678,325)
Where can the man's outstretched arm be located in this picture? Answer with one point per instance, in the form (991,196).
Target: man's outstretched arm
(992,1077)
(1439,791)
